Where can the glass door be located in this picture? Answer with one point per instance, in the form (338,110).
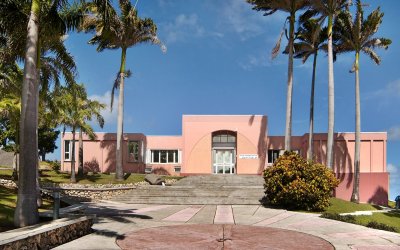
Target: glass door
(224,162)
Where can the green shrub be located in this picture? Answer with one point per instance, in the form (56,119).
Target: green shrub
(55,165)
(336,216)
(381,226)
(294,183)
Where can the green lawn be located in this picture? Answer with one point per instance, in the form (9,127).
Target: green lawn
(7,205)
(8,201)
(341,206)
(391,219)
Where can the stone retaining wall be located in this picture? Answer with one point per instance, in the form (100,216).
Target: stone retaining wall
(86,192)
(46,236)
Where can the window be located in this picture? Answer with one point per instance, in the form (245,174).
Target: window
(273,154)
(67,150)
(164,156)
(134,154)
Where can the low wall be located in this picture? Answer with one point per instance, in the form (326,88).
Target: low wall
(46,235)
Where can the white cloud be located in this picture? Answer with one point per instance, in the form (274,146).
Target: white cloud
(262,59)
(183,27)
(392,89)
(110,116)
(254,61)
(394,180)
(394,133)
(238,16)
(392,169)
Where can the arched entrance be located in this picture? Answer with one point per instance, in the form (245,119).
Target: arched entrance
(224,152)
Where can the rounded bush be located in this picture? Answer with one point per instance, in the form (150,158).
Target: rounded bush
(294,183)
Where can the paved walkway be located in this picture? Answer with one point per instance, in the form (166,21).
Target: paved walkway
(122,221)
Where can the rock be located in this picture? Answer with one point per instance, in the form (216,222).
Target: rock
(154,179)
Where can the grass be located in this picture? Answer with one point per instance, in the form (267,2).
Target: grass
(390,219)
(384,221)
(8,202)
(341,206)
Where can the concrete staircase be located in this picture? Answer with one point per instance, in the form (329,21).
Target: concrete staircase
(200,190)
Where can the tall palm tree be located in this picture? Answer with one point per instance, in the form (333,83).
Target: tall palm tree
(121,32)
(328,9)
(75,109)
(311,38)
(290,6)
(358,36)
(46,20)
(91,109)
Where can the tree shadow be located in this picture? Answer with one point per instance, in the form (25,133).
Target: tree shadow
(379,197)
(108,146)
(91,166)
(342,160)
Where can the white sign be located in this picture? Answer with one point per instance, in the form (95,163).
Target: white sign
(248,156)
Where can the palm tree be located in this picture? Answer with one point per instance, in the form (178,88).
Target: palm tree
(75,109)
(10,104)
(47,20)
(121,32)
(311,39)
(291,6)
(328,9)
(89,109)
(358,35)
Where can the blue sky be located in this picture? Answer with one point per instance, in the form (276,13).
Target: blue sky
(218,62)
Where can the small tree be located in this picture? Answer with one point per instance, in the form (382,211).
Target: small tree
(294,183)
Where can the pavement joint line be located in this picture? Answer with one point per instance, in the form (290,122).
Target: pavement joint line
(255,211)
(290,215)
(233,216)
(268,218)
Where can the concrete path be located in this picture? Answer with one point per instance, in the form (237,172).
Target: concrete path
(118,221)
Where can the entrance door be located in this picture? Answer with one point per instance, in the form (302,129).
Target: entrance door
(224,161)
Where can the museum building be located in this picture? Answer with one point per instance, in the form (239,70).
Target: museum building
(233,144)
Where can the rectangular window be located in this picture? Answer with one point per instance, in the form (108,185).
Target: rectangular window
(134,154)
(67,150)
(273,155)
(164,156)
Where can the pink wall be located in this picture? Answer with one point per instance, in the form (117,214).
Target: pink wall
(197,132)
(195,151)
(374,179)
(99,154)
(164,142)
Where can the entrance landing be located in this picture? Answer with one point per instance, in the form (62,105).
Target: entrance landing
(200,190)
(221,180)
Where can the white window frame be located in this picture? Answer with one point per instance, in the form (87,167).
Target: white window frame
(176,157)
(68,150)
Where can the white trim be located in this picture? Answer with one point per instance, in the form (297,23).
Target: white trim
(176,161)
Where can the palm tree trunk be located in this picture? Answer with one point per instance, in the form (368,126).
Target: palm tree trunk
(15,166)
(119,175)
(355,196)
(80,156)
(26,211)
(331,97)
(288,129)
(311,130)
(73,178)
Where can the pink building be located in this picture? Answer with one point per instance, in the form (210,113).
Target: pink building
(233,144)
